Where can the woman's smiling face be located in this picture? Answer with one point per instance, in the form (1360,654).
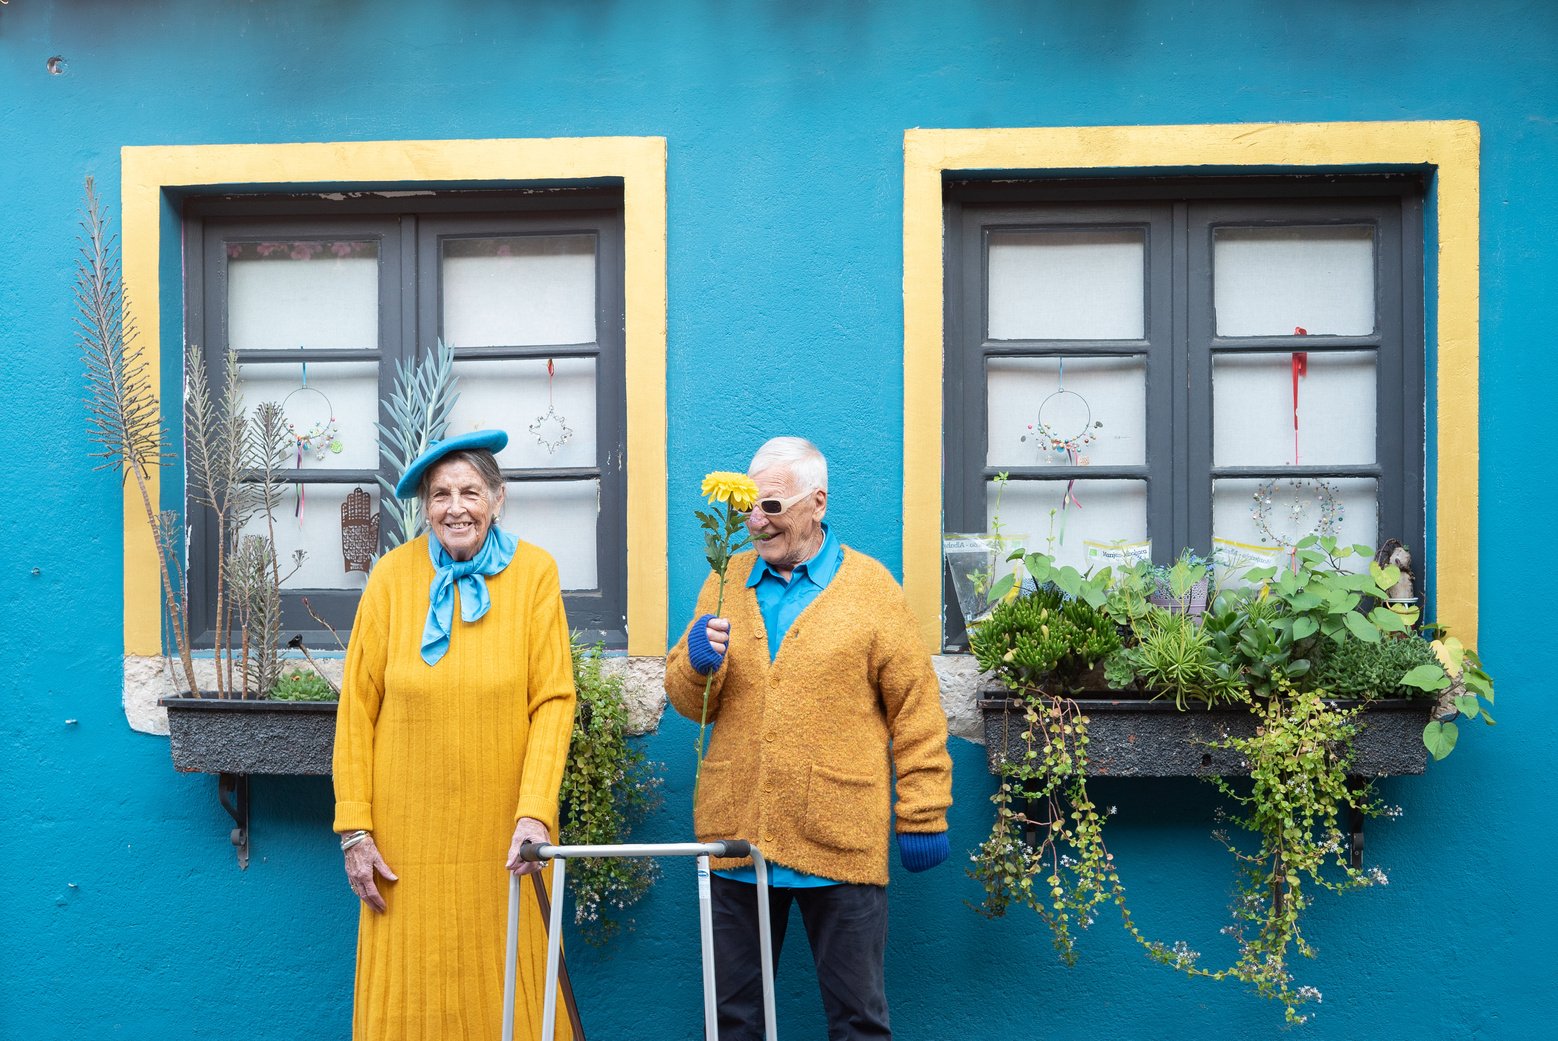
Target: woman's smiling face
(460,509)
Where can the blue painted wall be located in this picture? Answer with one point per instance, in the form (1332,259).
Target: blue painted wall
(122,914)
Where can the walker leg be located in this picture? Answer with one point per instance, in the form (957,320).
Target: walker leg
(511,959)
(706,928)
(554,951)
(765,941)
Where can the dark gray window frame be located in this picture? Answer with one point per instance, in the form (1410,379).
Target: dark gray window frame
(1179,217)
(410,233)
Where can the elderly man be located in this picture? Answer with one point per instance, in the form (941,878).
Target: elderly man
(822,691)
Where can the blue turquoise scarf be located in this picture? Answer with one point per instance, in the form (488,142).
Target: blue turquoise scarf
(471,577)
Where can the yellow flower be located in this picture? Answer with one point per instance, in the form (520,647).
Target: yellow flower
(737,489)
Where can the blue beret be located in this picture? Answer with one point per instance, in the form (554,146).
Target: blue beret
(492,440)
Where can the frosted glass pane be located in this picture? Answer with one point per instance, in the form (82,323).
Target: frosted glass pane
(1109,511)
(1252,409)
(1344,507)
(1067,285)
(1269,281)
(315,529)
(1102,410)
(560,517)
(513,396)
(347,392)
(303,294)
(518,290)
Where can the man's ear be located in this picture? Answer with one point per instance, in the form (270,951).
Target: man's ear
(822,503)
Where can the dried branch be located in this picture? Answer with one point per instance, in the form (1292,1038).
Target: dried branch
(123,413)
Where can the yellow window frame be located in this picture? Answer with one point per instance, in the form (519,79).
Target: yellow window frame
(1449,149)
(148,172)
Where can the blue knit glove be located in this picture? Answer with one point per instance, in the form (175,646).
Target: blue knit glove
(699,654)
(921,851)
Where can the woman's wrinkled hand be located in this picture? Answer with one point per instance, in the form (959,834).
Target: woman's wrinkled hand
(527,829)
(363,863)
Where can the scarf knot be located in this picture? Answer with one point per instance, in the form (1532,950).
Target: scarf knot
(470,576)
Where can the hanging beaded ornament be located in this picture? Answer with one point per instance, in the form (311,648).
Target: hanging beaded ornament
(318,435)
(359,531)
(551,421)
(1308,497)
(1049,440)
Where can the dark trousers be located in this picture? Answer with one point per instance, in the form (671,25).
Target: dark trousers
(847,927)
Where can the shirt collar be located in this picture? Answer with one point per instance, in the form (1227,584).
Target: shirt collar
(818,569)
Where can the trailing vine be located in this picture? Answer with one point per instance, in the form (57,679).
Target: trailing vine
(1046,849)
(607,787)
(1299,759)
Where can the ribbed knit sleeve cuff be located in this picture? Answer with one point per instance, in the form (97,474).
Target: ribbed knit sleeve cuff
(538,809)
(920,851)
(700,655)
(353,816)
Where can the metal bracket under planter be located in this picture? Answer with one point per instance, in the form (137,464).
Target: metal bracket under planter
(1132,737)
(235,738)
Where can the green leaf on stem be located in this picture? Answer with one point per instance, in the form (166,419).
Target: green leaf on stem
(1439,738)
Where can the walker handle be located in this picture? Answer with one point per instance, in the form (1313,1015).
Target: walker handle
(530,852)
(734,848)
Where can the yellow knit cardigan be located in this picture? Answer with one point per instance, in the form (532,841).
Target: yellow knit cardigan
(804,747)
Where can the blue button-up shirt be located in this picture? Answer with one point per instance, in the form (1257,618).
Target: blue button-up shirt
(782,603)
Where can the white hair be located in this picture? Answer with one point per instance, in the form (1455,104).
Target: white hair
(805,462)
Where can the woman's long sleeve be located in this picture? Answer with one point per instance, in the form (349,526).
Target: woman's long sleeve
(362,691)
(551,698)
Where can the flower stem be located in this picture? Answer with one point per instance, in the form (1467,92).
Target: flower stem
(703,721)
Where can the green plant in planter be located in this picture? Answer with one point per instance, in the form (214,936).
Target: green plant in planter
(1294,806)
(298,684)
(607,787)
(1462,685)
(1356,669)
(1172,654)
(1043,637)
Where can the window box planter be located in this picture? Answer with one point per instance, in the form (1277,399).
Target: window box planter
(230,736)
(1134,737)
(234,738)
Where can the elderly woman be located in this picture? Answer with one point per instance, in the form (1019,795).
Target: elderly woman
(453,728)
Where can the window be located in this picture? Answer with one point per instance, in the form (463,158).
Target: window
(1183,361)
(322,301)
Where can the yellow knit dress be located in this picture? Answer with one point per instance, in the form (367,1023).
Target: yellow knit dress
(439,762)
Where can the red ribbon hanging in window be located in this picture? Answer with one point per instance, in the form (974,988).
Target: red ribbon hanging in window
(1300,364)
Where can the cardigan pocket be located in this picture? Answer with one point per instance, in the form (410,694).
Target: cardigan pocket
(845,812)
(715,815)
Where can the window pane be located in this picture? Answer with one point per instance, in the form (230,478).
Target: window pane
(1252,409)
(519,290)
(1097,404)
(303,293)
(309,519)
(339,408)
(516,395)
(1269,281)
(1067,285)
(1103,511)
(560,517)
(1282,511)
